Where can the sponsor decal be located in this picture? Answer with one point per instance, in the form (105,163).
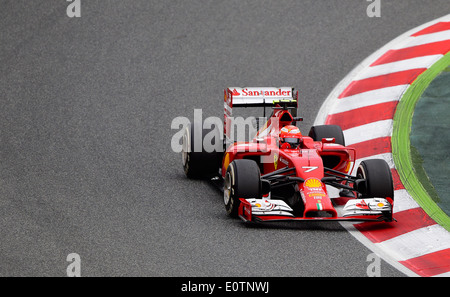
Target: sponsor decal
(313,190)
(316,195)
(313,183)
(284,161)
(275,161)
(362,205)
(267,93)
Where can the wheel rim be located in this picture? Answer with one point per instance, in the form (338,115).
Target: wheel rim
(362,173)
(185,147)
(227,188)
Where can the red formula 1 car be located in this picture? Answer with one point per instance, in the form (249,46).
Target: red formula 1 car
(282,175)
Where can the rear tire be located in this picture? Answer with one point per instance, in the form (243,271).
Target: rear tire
(242,180)
(197,162)
(378,178)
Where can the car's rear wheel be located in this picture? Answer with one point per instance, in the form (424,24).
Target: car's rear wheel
(197,161)
(378,178)
(242,180)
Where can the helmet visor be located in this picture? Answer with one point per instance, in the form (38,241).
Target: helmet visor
(295,141)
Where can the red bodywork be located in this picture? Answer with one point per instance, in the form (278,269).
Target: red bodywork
(308,161)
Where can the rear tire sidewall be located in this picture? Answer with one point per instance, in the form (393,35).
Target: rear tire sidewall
(198,164)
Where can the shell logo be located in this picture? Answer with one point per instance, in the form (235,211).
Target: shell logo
(313,183)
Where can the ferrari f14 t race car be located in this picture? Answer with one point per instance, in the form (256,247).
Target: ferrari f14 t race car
(283,175)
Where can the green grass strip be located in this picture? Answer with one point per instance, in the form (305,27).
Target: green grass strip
(401,145)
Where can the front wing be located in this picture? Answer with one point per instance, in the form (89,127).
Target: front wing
(269,210)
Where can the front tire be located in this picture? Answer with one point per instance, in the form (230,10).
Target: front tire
(378,178)
(317,133)
(242,180)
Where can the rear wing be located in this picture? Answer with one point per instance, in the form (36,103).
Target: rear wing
(241,97)
(256,97)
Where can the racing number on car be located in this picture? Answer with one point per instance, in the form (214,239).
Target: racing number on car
(310,168)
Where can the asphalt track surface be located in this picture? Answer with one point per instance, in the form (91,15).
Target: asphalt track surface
(86,105)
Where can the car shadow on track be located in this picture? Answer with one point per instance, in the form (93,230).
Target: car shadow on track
(313,226)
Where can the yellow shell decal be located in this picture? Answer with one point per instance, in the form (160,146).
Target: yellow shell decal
(275,161)
(313,183)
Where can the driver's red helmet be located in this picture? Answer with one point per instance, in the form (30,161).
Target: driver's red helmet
(290,134)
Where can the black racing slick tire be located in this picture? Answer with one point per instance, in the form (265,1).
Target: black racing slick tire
(317,133)
(242,180)
(378,178)
(198,162)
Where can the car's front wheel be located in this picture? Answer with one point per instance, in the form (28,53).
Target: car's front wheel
(317,133)
(242,180)
(378,179)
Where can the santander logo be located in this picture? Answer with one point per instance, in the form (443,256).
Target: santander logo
(271,92)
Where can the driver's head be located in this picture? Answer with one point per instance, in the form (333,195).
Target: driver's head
(290,134)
